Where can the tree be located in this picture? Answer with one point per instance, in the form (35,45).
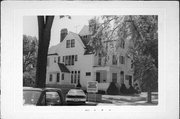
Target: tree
(142,32)
(30,47)
(145,51)
(44,28)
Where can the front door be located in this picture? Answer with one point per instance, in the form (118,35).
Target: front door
(114,77)
(130,80)
(98,77)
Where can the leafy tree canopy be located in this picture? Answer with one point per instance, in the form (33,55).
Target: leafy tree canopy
(141,32)
(30,47)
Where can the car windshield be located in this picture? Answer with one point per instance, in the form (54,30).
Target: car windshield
(76,92)
(31,97)
(52,95)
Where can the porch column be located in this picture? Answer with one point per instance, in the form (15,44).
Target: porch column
(109,79)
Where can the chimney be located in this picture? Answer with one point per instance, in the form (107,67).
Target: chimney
(64,32)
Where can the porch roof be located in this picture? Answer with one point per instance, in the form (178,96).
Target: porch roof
(63,68)
(107,68)
(58,67)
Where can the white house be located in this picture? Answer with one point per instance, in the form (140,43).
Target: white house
(73,60)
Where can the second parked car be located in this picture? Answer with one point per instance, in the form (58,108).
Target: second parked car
(76,96)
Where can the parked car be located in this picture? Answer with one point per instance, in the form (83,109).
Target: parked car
(42,97)
(76,96)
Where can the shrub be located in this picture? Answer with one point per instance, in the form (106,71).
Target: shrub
(112,89)
(131,90)
(101,92)
(123,89)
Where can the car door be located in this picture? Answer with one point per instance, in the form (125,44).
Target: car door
(50,98)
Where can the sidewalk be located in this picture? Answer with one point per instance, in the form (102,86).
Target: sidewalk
(138,99)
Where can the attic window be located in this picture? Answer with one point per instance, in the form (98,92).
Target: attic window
(72,43)
(85,36)
(68,43)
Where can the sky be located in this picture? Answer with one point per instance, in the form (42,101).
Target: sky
(75,24)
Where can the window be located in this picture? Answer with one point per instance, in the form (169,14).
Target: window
(50,77)
(62,76)
(114,77)
(121,60)
(85,37)
(54,59)
(68,43)
(98,77)
(72,43)
(88,73)
(76,57)
(75,75)
(72,73)
(66,60)
(114,60)
(78,76)
(59,59)
(57,77)
(72,59)
(99,61)
(122,76)
(69,60)
(63,58)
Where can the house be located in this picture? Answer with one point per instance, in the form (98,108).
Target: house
(73,61)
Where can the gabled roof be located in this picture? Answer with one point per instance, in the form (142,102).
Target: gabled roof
(63,68)
(75,36)
(88,48)
(84,31)
(52,49)
(84,41)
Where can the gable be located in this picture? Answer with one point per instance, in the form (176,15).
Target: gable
(78,44)
(84,31)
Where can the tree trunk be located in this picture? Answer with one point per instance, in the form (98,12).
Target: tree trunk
(44,39)
(149,99)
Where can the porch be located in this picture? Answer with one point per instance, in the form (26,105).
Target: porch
(104,75)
